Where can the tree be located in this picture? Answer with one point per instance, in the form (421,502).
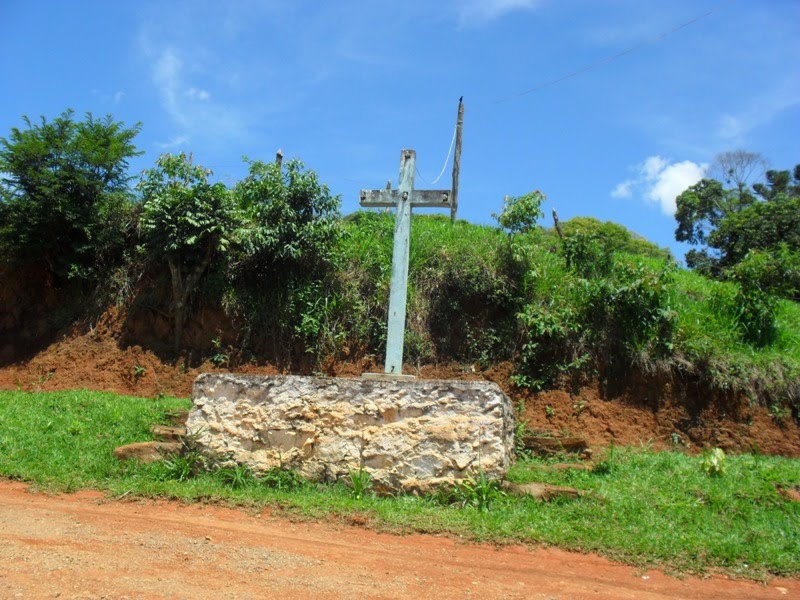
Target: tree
(726,223)
(521,213)
(185,221)
(291,221)
(739,168)
(64,195)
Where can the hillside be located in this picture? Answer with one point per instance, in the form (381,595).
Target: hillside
(598,333)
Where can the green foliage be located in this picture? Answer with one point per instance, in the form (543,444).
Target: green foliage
(477,492)
(185,221)
(360,482)
(613,237)
(713,463)
(283,273)
(237,476)
(727,223)
(181,467)
(183,215)
(520,213)
(291,221)
(596,311)
(281,479)
(64,201)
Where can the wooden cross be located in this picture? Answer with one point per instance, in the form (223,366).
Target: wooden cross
(405,197)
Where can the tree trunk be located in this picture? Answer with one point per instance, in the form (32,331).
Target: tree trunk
(178,306)
(181,290)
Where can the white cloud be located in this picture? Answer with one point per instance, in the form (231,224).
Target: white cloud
(623,190)
(191,107)
(197,94)
(174,142)
(476,12)
(660,181)
(758,110)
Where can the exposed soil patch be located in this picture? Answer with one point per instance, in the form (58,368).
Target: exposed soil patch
(635,413)
(655,413)
(84,546)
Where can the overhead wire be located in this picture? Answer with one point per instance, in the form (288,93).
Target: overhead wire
(446,160)
(616,56)
(581,71)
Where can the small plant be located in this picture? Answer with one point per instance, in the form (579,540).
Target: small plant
(281,479)
(219,358)
(778,413)
(182,467)
(578,406)
(237,477)
(360,481)
(609,464)
(549,411)
(714,463)
(138,372)
(478,492)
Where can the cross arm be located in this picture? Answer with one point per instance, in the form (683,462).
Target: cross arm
(419,198)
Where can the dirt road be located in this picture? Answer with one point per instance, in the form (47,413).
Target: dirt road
(84,546)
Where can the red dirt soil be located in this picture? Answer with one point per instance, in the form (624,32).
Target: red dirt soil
(644,414)
(85,546)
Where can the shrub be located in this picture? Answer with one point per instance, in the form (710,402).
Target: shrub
(521,213)
(64,200)
(186,222)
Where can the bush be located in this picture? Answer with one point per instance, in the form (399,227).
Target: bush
(186,222)
(64,200)
(521,213)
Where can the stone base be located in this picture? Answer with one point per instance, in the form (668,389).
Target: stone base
(408,435)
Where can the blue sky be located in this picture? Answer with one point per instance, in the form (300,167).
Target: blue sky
(345,85)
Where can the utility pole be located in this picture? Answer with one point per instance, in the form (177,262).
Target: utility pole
(403,198)
(457,160)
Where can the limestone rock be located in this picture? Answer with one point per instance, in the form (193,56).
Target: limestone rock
(166,433)
(146,452)
(541,491)
(410,435)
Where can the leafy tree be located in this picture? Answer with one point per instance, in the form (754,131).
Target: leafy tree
(727,223)
(283,270)
(291,219)
(521,213)
(64,196)
(185,221)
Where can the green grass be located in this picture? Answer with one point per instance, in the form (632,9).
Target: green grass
(646,508)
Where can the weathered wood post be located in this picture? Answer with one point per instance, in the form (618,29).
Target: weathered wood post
(457,160)
(403,198)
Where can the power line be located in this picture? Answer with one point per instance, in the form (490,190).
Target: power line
(446,160)
(614,57)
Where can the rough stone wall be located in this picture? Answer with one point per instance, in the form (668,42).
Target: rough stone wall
(409,435)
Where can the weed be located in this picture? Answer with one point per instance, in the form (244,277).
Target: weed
(138,372)
(219,358)
(713,463)
(780,414)
(549,411)
(181,467)
(237,477)
(281,479)
(477,492)
(360,482)
(609,464)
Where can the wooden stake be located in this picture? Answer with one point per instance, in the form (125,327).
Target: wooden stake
(457,160)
